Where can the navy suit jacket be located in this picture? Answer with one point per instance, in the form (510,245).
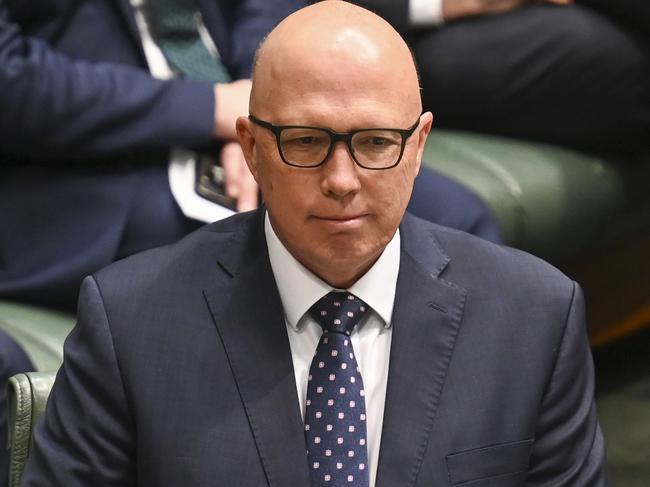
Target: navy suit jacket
(85,132)
(179,372)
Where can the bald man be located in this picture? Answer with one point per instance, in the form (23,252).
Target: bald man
(328,339)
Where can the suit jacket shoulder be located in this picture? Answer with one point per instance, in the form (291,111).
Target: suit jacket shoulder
(477,264)
(190,263)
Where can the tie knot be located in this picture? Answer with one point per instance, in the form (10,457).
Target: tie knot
(338,311)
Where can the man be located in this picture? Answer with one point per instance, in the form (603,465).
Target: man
(534,70)
(226,360)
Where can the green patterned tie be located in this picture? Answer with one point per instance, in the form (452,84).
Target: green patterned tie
(175,27)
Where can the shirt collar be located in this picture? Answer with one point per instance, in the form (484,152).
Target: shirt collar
(299,288)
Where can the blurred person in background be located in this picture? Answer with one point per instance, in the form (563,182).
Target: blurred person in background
(106,107)
(569,73)
(93,119)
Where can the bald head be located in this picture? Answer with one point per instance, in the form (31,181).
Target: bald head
(333,48)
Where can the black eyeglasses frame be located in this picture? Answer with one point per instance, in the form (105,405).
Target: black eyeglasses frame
(334,138)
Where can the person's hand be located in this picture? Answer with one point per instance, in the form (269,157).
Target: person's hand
(455,9)
(239,181)
(231,102)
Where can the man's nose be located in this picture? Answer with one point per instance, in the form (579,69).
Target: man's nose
(340,172)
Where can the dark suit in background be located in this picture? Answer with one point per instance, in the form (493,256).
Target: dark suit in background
(573,75)
(85,132)
(84,137)
(179,372)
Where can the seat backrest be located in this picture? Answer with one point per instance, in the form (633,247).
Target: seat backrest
(39,331)
(27,395)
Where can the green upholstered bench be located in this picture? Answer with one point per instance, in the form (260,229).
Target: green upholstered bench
(540,194)
(41,333)
(588,215)
(27,396)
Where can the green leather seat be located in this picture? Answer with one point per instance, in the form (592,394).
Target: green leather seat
(41,332)
(587,215)
(550,201)
(27,396)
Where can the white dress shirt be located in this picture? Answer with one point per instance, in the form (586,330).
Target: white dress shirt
(299,289)
(182,164)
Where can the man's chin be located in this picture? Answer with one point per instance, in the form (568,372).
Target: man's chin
(345,264)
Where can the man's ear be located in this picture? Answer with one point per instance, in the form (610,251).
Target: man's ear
(426,122)
(247,142)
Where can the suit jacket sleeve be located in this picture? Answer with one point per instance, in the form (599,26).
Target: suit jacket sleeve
(54,106)
(569,448)
(87,435)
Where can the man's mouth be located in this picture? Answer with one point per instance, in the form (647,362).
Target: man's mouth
(342,222)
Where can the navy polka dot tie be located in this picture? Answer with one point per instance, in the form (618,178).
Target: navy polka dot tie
(335,416)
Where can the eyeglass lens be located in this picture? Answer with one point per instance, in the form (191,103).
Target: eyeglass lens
(310,146)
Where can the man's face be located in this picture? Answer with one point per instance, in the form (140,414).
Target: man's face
(337,218)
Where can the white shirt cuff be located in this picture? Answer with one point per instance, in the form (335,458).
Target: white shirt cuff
(182,178)
(425,13)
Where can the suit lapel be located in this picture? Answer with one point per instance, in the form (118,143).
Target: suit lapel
(217,23)
(126,9)
(426,319)
(248,314)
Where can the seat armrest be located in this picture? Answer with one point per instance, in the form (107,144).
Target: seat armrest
(27,395)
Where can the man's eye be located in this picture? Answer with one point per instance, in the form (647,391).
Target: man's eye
(376,142)
(379,141)
(305,140)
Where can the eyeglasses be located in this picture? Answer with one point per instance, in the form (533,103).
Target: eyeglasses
(304,146)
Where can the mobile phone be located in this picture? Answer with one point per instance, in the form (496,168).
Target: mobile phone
(210,182)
